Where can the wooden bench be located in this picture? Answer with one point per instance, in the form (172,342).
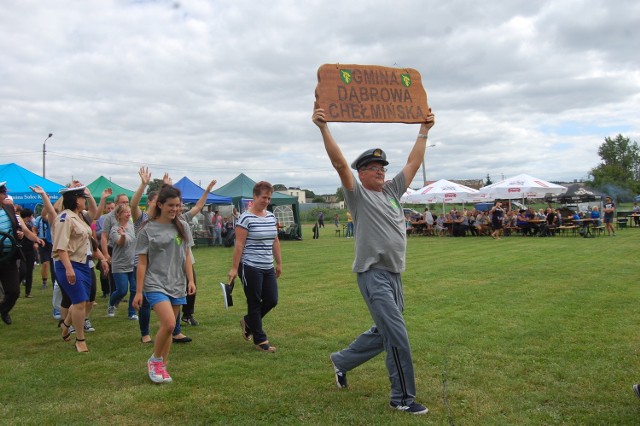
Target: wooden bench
(564,229)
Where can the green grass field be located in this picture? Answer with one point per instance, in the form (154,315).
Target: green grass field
(516,331)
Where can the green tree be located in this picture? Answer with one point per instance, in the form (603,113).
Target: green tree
(309,193)
(339,194)
(620,164)
(154,185)
(279,187)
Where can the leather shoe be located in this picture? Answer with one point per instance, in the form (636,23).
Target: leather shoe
(184,339)
(7,319)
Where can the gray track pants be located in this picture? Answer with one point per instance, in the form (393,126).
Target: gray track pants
(382,292)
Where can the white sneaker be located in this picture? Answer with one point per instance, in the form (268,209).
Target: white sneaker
(87,326)
(111,311)
(133,317)
(155,369)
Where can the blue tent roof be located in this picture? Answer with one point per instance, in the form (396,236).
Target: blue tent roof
(20,179)
(191,193)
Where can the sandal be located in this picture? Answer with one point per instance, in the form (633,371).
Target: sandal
(78,349)
(66,335)
(265,347)
(246,332)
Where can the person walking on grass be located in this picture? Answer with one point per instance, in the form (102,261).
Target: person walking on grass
(380,248)
(72,249)
(164,265)
(122,238)
(497,213)
(608,210)
(257,245)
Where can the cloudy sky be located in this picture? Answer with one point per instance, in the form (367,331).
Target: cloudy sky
(209,88)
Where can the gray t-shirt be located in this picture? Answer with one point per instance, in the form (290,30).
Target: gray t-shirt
(188,218)
(381,237)
(123,257)
(109,222)
(166,255)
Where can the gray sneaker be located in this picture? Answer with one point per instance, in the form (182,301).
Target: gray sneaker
(413,408)
(111,311)
(87,326)
(341,376)
(636,389)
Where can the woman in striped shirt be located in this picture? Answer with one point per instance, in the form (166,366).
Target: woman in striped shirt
(257,246)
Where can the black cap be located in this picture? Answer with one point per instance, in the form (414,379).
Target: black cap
(3,186)
(369,156)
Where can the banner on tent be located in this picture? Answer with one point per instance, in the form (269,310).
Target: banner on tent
(34,198)
(371,94)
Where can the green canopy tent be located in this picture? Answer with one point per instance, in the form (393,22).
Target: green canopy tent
(241,188)
(97,186)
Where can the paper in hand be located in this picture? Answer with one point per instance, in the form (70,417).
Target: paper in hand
(227,298)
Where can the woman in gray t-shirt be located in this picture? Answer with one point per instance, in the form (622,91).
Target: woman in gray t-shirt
(164,264)
(122,238)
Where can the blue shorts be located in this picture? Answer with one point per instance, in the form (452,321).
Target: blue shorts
(80,291)
(154,297)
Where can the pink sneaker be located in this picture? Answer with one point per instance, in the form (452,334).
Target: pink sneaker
(166,378)
(156,369)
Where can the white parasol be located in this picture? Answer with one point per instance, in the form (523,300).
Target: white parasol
(442,191)
(521,187)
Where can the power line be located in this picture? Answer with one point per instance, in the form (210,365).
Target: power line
(183,166)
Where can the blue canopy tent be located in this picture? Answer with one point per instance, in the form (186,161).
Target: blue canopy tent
(20,179)
(191,193)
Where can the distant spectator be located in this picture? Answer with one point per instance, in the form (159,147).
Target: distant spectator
(609,209)
(349,233)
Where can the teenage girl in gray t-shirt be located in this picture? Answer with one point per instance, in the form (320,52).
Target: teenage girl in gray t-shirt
(164,264)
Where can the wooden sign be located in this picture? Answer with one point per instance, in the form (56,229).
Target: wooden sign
(371,94)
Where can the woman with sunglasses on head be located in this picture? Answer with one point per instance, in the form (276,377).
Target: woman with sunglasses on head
(164,265)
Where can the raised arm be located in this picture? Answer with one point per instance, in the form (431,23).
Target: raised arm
(416,156)
(203,199)
(106,193)
(145,178)
(48,212)
(93,207)
(333,150)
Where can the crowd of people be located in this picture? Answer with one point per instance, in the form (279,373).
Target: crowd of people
(498,221)
(144,253)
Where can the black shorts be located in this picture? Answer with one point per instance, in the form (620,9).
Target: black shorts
(45,252)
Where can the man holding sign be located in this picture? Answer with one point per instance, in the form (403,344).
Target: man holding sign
(379,259)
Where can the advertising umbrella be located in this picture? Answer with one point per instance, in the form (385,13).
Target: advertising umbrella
(409,191)
(442,191)
(521,187)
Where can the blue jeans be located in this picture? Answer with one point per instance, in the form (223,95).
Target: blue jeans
(121,280)
(217,236)
(349,229)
